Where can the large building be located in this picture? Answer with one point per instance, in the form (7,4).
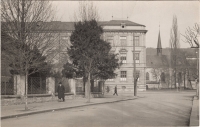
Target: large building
(122,34)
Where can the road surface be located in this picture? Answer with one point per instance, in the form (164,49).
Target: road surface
(152,109)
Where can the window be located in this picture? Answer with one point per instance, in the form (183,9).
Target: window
(147,76)
(137,74)
(110,40)
(64,43)
(137,57)
(123,41)
(110,79)
(136,40)
(123,76)
(123,57)
(64,38)
(123,25)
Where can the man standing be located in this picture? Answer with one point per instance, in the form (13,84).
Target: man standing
(61,91)
(115,92)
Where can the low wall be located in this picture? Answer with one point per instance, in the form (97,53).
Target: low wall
(39,98)
(152,86)
(17,99)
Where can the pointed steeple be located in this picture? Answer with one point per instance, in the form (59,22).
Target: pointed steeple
(159,46)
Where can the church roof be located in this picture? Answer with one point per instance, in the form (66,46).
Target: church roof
(159,41)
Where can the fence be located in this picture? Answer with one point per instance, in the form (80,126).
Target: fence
(36,85)
(7,85)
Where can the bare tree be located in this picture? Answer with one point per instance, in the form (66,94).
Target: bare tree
(25,21)
(174,45)
(191,36)
(87,11)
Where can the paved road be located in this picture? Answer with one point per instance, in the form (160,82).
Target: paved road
(153,109)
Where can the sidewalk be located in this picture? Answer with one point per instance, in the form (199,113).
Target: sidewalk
(13,111)
(194,118)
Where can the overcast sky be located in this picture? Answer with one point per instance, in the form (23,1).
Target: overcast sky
(148,13)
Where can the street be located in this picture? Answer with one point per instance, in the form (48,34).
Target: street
(152,108)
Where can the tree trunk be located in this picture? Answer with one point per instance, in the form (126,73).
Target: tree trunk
(184,80)
(175,78)
(26,91)
(84,87)
(92,85)
(135,87)
(88,88)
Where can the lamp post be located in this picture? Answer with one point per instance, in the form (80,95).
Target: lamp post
(197,79)
(134,68)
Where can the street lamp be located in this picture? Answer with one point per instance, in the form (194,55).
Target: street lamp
(197,79)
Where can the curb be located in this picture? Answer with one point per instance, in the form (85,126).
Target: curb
(58,109)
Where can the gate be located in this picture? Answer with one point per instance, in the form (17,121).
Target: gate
(7,85)
(36,85)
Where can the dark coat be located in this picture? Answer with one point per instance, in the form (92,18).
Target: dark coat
(61,91)
(115,89)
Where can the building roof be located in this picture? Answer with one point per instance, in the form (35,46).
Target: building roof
(69,26)
(118,23)
(153,60)
(159,46)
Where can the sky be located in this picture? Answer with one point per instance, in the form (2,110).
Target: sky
(152,14)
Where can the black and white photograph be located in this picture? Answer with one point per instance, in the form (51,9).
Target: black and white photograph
(123,63)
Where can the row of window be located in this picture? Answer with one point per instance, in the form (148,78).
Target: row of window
(123,40)
(124,55)
(123,75)
(110,39)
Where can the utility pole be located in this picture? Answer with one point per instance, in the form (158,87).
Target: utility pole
(134,68)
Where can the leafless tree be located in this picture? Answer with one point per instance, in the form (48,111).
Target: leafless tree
(191,36)
(25,21)
(174,45)
(87,11)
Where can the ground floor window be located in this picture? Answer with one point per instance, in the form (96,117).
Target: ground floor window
(137,74)
(147,76)
(123,76)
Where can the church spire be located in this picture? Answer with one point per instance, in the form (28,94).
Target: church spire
(159,46)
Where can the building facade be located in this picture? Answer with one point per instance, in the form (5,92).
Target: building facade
(122,34)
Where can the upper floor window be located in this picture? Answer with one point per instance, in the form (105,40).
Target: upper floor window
(110,40)
(64,39)
(136,40)
(123,57)
(123,76)
(123,41)
(110,79)
(137,57)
